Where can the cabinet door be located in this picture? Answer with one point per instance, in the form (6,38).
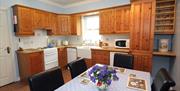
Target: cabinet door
(76,24)
(100,57)
(122,20)
(52,19)
(63,25)
(36,62)
(25,21)
(143,61)
(136,25)
(142,30)
(107,21)
(62,57)
(40,19)
(147,25)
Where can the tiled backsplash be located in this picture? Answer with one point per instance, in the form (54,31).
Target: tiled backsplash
(41,39)
(77,40)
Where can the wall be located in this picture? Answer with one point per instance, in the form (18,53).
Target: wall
(77,40)
(6,4)
(175,65)
(96,5)
(158,62)
(31,3)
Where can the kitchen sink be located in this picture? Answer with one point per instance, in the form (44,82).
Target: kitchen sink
(85,51)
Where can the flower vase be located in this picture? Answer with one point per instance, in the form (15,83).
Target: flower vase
(103,87)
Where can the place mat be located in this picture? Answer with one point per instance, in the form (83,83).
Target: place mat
(84,75)
(137,83)
(120,70)
(85,81)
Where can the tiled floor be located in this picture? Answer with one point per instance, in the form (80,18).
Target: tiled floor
(23,86)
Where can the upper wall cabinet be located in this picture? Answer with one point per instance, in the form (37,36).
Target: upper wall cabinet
(115,21)
(40,19)
(52,21)
(107,21)
(29,19)
(122,19)
(142,25)
(63,25)
(76,24)
(24,20)
(69,24)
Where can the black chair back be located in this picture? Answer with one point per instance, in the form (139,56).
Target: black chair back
(77,67)
(46,81)
(123,60)
(162,81)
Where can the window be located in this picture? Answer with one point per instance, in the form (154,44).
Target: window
(90,31)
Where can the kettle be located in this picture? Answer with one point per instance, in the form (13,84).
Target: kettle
(65,43)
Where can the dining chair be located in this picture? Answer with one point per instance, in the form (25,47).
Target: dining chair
(48,80)
(77,67)
(123,60)
(162,81)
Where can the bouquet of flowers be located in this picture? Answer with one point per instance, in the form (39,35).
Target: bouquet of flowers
(102,75)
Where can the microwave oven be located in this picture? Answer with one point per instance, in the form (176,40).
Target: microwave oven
(121,43)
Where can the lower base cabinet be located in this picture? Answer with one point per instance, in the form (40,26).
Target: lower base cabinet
(30,63)
(143,61)
(100,57)
(88,62)
(62,57)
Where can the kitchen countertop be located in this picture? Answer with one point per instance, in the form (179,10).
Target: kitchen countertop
(30,50)
(110,49)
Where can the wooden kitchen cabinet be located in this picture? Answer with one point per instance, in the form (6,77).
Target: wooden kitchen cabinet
(115,20)
(62,57)
(29,19)
(24,24)
(143,61)
(142,21)
(122,15)
(76,24)
(100,57)
(30,63)
(142,33)
(63,25)
(107,21)
(40,19)
(52,19)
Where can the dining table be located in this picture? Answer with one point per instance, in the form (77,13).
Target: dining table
(119,85)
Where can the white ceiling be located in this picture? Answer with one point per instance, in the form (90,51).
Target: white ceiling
(67,3)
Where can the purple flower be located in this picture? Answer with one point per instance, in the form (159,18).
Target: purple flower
(103,74)
(93,79)
(115,78)
(109,82)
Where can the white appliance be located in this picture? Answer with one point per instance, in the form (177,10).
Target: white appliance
(50,58)
(121,43)
(71,54)
(84,52)
(112,57)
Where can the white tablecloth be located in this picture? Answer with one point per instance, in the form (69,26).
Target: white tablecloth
(120,85)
